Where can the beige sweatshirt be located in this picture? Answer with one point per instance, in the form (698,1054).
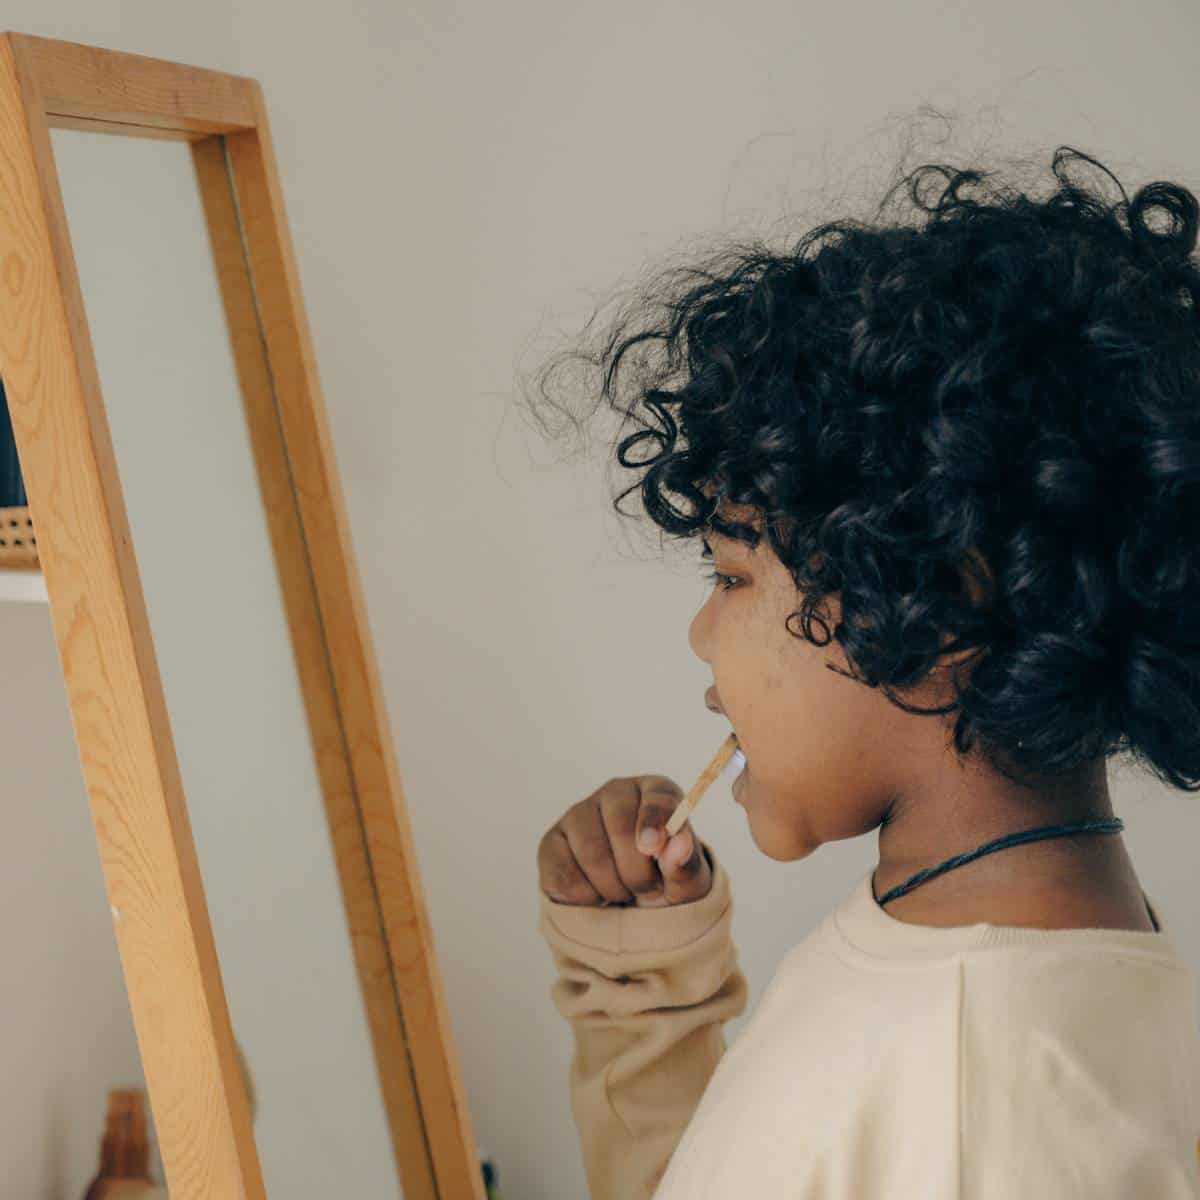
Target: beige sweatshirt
(884,1061)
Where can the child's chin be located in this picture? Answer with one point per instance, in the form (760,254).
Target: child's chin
(781,845)
(769,848)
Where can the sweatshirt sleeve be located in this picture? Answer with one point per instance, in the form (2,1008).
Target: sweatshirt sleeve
(646,991)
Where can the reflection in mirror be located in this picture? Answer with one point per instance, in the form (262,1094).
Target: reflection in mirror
(223,650)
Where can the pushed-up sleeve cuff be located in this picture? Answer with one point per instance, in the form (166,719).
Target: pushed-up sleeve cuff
(619,929)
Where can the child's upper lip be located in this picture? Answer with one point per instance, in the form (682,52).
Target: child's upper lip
(713,703)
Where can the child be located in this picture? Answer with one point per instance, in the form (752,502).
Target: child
(948,474)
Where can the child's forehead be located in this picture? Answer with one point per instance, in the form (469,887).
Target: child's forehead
(732,514)
(715,535)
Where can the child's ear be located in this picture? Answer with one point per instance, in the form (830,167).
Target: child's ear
(978,580)
(978,583)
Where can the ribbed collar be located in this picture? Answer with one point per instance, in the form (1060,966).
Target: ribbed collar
(860,920)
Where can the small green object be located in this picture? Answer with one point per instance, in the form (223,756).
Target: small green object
(491,1181)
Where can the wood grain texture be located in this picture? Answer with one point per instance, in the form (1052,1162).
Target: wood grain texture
(75,80)
(114,691)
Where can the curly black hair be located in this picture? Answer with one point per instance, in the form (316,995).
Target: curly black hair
(1006,380)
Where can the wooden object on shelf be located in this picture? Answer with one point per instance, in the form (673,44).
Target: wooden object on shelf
(18,546)
(124,1150)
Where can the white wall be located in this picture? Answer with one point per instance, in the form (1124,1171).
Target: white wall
(463,183)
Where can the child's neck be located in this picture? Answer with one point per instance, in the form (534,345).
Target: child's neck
(1067,882)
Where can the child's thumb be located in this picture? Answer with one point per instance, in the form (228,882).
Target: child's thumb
(685,868)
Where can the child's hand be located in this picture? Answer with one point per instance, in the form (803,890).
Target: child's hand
(592,856)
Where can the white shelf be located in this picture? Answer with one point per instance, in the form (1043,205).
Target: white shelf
(23,584)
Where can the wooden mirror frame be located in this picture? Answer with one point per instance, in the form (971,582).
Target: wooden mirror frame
(98,613)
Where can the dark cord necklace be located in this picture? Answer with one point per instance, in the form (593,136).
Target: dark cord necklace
(1115,825)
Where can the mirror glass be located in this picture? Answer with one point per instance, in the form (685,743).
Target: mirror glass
(223,649)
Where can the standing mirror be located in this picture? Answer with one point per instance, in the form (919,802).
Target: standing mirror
(209,620)
(219,628)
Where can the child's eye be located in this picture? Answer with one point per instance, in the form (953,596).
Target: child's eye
(720,579)
(726,582)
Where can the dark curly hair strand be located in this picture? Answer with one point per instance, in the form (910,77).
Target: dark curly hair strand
(1007,383)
